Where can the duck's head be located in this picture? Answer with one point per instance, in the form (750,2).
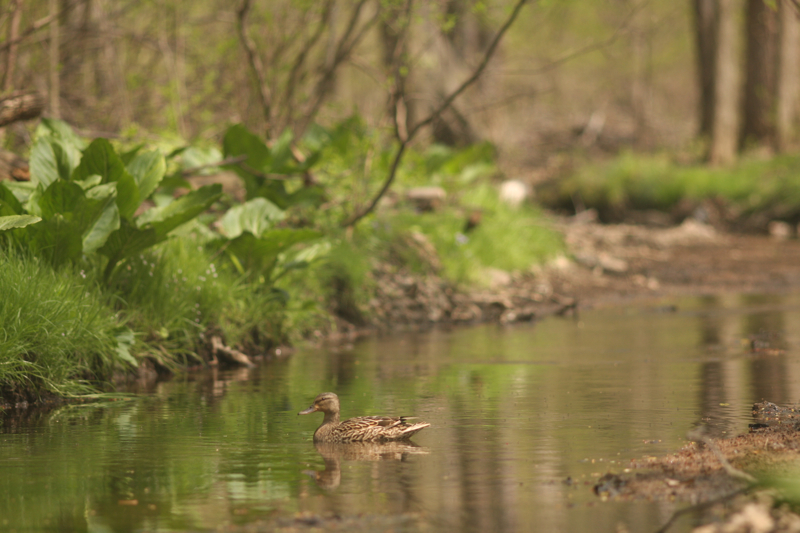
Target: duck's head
(327,402)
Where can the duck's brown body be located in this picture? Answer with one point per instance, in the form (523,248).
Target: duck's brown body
(359,429)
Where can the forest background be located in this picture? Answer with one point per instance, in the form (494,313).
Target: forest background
(324,114)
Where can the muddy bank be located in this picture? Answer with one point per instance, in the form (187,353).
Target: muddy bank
(724,478)
(605,264)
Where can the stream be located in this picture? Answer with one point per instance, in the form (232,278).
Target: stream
(524,420)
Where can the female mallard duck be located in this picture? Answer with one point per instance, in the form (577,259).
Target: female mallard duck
(359,429)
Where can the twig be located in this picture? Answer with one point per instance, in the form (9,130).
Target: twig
(300,59)
(698,507)
(436,114)
(698,434)
(344,47)
(256,66)
(591,47)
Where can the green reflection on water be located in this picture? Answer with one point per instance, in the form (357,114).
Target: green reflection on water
(514,412)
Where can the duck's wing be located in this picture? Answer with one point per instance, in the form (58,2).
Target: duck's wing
(377,428)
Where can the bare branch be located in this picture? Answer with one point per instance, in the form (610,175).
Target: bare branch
(475,75)
(36,26)
(256,66)
(344,47)
(436,114)
(300,60)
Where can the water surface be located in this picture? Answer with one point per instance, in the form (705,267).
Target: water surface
(524,420)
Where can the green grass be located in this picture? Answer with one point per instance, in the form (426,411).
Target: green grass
(178,292)
(57,334)
(657,182)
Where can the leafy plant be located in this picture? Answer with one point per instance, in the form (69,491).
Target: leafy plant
(87,198)
(265,168)
(255,245)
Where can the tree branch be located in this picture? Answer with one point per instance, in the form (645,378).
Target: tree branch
(36,26)
(343,49)
(436,114)
(300,60)
(256,66)
(20,106)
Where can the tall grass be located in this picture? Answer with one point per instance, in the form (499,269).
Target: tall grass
(179,291)
(645,181)
(57,334)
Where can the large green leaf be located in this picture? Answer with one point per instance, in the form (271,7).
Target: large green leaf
(51,160)
(91,214)
(126,242)
(260,255)
(58,240)
(238,140)
(17,221)
(153,226)
(100,158)
(61,197)
(256,216)
(58,129)
(22,190)
(148,170)
(282,159)
(9,205)
(97,234)
(182,210)
(69,145)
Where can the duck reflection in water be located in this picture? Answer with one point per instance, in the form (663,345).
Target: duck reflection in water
(334,452)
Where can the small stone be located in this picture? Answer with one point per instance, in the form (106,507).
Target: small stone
(513,192)
(779,230)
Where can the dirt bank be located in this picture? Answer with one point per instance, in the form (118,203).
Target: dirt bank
(620,261)
(605,264)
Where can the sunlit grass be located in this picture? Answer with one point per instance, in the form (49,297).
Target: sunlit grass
(644,181)
(505,238)
(179,291)
(56,332)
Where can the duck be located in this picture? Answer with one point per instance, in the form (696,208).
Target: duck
(361,428)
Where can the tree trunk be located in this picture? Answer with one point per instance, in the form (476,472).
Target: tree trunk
(55,80)
(705,29)
(760,72)
(11,55)
(723,132)
(788,84)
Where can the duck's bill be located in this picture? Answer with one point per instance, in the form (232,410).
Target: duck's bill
(307,411)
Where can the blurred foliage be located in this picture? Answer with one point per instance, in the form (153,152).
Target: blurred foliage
(173,264)
(640,181)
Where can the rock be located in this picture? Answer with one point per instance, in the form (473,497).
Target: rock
(779,230)
(612,264)
(513,192)
(426,198)
(689,232)
(496,278)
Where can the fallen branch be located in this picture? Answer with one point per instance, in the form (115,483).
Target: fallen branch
(698,435)
(434,115)
(234,355)
(20,106)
